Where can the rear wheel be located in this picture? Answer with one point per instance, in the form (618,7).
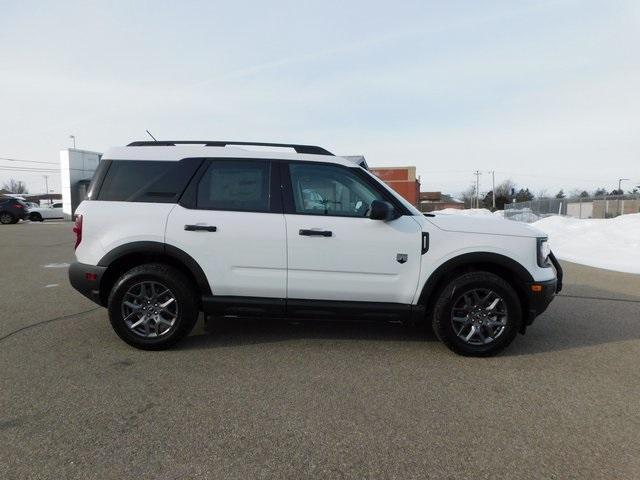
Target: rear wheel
(7,218)
(35,217)
(152,306)
(477,314)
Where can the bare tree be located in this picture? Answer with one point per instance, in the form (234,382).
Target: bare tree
(468,196)
(505,189)
(575,193)
(15,186)
(542,193)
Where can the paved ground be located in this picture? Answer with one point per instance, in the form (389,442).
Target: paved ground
(278,400)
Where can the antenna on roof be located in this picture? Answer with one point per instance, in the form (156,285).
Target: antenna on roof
(154,138)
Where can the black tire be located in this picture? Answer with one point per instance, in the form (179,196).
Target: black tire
(7,218)
(181,289)
(35,217)
(454,293)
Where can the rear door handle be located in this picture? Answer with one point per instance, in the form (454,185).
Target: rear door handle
(200,228)
(315,233)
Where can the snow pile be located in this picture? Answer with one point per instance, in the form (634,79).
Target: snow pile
(523,215)
(612,243)
(475,212)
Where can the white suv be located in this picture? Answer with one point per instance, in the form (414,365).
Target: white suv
(170,229)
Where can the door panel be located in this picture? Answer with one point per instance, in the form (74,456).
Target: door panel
(335,252)
(245,255)
(234,228)
(358,262)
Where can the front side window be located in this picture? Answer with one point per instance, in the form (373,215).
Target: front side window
(237,185)
(330,190)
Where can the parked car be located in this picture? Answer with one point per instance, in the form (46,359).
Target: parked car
(173,228)
(12,210)
(46,213)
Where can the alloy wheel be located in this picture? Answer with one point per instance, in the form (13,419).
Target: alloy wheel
(149,309)
(479,316)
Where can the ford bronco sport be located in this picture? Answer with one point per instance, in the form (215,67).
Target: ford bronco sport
(173,228)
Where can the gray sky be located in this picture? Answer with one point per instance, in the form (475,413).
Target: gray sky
(546,93)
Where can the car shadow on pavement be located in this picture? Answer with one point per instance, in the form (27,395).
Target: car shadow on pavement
(573,321)
(223,332)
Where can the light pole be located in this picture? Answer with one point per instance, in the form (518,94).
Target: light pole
(73,137)
(46,185)
(620,180)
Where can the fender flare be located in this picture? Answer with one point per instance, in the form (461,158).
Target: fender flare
(515,268)
(159,248)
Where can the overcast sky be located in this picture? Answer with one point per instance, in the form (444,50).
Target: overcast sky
(546,93)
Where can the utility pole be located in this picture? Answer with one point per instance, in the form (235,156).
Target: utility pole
(493,187)
(477,173)
(46,185)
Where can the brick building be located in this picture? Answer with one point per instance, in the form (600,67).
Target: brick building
(433,201)
(402,179)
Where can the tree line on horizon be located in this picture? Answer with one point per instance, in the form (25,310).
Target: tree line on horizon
(507,192)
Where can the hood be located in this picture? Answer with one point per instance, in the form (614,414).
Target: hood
(485,225)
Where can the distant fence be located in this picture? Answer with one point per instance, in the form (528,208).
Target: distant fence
(607,206)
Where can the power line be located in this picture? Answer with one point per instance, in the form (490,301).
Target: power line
(25,169)
(27,161)
(28,169)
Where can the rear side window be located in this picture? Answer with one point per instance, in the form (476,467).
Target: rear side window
(147,181)
(238,185)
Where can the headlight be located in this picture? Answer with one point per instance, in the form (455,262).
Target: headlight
(543,252)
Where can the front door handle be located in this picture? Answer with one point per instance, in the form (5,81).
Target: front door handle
(315,233)
(200,228)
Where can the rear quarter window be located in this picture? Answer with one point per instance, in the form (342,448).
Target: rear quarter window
(147,180)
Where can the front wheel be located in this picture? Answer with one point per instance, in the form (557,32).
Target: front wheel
(152,306)
(477,314)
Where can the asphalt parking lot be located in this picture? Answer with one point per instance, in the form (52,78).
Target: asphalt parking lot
(291,400)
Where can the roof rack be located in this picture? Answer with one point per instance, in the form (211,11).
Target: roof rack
(309,149)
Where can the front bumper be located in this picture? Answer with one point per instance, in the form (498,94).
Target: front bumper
(86,279)
(541,296)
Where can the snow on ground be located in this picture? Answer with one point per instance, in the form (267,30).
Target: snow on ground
(613,243)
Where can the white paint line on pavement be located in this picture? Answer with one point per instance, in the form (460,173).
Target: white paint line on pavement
(51,285)
(56,265)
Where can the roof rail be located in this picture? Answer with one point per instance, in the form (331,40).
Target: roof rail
(309,149)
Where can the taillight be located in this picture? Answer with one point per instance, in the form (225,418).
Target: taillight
(77,229)
(18,205)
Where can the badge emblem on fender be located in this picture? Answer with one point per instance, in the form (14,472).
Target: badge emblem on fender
(402,258)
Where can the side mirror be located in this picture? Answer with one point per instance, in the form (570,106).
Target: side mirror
(380,210)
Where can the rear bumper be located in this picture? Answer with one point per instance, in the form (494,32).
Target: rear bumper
(538,301)
(86,279)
